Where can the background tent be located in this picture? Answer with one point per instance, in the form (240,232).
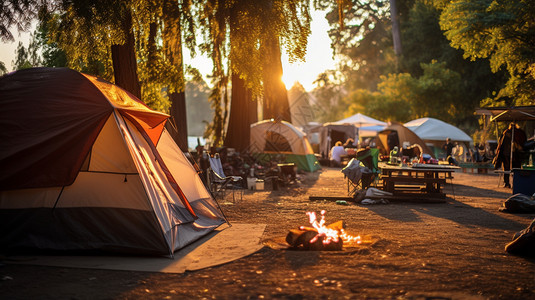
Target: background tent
(434,132)
(330,133)
(87,166)
(395,134)
(280,137)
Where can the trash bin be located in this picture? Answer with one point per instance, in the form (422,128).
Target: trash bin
(524,181)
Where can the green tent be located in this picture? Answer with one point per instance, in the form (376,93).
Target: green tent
(270,138)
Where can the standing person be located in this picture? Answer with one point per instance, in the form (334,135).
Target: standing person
(448,147)
(503,152)
(335,155)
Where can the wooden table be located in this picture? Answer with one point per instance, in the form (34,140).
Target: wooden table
(424,182)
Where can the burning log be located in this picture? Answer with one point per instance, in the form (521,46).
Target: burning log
(320,237)
(309,239)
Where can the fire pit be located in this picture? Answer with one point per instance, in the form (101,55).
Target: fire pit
(320,237)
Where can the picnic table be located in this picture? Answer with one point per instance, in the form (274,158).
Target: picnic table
(420,181)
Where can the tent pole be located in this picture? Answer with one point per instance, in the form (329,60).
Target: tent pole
(512,145)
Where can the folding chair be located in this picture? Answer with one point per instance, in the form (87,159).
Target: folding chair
(220,183)
(370,159)
(358,176)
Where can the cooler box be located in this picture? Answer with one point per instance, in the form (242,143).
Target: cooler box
(523,181)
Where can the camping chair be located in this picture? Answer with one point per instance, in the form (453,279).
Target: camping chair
(370,159)
(220,183)
(358,176)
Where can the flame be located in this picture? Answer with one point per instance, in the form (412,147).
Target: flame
(328,234)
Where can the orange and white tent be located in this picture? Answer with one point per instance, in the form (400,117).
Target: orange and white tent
(84,165)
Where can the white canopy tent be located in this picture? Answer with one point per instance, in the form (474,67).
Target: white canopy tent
(360,120)
(435,132)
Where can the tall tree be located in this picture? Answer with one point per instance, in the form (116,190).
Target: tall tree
(249,24)
(364,42)
(502,31)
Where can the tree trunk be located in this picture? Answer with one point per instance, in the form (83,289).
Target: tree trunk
(124,61)
(396,33)
(275,105)
(173,51)
(243,113)
(179,119)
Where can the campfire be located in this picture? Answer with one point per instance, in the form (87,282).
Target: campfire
(319,237)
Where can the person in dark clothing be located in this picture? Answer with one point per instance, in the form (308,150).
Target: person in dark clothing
(503,153)
(448,147)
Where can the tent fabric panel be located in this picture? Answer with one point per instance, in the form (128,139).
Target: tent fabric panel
(121,99)
(294,136)
(165,202)
(105,190)
(81,229)
(307,162)
(109,152)
(210,217)
(141,136)
(181,169)
(128,104)
(29,198)
(46,131)
(152,124)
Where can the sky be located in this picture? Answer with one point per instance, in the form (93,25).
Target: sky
(319,55)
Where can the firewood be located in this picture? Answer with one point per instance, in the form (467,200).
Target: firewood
(339,225)
(292,237)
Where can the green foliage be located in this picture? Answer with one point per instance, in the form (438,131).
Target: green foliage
(438,94)
(401,97)
(198,107)
(234,33)
(329,105)
(3,69)
(52,55)
(85,32)
(364,42)
(503,32)
(394,103)
(27,57)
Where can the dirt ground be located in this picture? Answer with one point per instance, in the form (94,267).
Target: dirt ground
(452,250)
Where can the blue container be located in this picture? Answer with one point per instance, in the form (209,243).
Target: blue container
(524,181)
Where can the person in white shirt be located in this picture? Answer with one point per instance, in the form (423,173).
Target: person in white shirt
(335,155)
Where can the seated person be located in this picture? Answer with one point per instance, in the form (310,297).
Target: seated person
(394,156)
(335,155)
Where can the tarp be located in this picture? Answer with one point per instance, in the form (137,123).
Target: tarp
(508,114)
(84,165)
(281,137)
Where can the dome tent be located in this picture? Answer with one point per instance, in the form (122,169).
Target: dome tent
(396,134)
(430,129)
(87,166)
(269,137)
(435,132)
